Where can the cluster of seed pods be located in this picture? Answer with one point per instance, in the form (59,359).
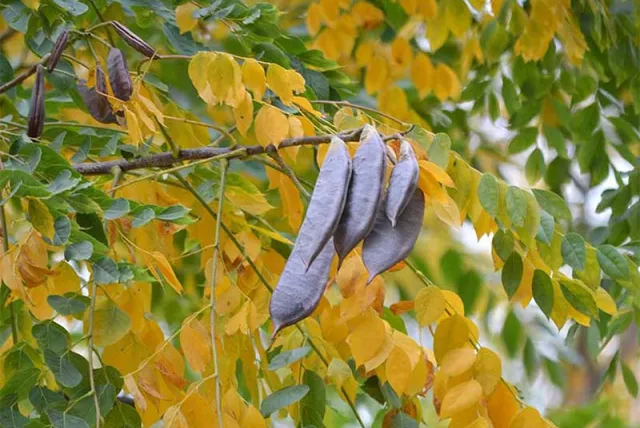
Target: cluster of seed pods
(350,205)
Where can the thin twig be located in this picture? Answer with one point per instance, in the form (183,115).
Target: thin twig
(218,128)
(273,154)
(5,247)
(360,107)
(24,75)
(92,381)
(101,18)
(212,298)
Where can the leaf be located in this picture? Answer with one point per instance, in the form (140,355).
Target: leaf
(62,226)
(119,208)
(63,369)
(52,336)
(611,262)
(630,380)
(429,305)
(123,415)
(580,297)
(553,204)
(487,370)
(535,167)
(488,193)
(402,420)
(254,78)
(525,139)
(460,397)
(546,228)
(105,271)
(397,370)
(278,82)
(243,114)
(75,8)
(574,252)
(457,361)
(110,323)
(439,150)
(64,420)
(69,303)
(288,357)
(142,216)
(605,302)
(159,265)
(271,126)
(543,291)
(282,398)
(41,218)
(79,251)
(503,244)
(313,404)
(451,333)
(516,201)
(512,274)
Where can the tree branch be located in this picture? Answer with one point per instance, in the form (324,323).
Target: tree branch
(168,159)
(24,75)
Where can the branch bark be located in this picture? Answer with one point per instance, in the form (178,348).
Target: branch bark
(168,159)
(24,75)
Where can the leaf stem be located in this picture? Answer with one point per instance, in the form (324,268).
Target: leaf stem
(92,381)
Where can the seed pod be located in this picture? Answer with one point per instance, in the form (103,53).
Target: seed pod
(387,245)
(133,40)
(35,121)
(327,202)
(299,289)
(365,192)
(119,75)
(403,183)
(58,48)
(97,104)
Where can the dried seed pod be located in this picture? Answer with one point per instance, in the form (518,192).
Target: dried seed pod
(119,75)
(365,192)
(387,245)
(133,40)
(58,48)
(97,104)
(327,202)
(299,289)
(35,121)
(403,182)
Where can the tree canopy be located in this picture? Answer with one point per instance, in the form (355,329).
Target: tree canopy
(319,213)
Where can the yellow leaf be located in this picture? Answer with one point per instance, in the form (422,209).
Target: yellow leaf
(271,126)
(458,361)
(131,385)
(339,372)
(454,303)
(427,8)
(278,81)
(296,81)
(244,114)
(393,101)
(437,172)
(487,370)
(367,15)
(157,262)
(291,203)
(446,84)
(252,418)
(196,345)
(422,74)
(314,19)
(244,321)
(431,187)
(41,218)
(184,17)
(457,17)
(110,324)
(364,52)
(133,127)
(460,397)
(199,72)
(430,305)
(419,376)
(397,370)
(295,127)
(224,76)
(409,6)
(254,78)
(450,334)
(502,406)
(401,54)
(330,11)
(377,74)
(367,337)
(605,302)
(304,104)
(437,33)
(528,418)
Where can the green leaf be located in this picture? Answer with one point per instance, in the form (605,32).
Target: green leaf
(525,139)
(143,217)
(79,251)
(439,150)
(529,358)
(21,382)
(271,53)
(612,262)
(288,357)
(64,420)
(546,228)
(313,404)
(543,291)
(630,380)
(512,274)
(172,213)
(52,336)
(62,231)
(110,324)
(64,181)
(282,398)
(10,417)
(510,96)
(119,208)
(43,398)
(579,296)
(553,204)
(512,333)
(122,416)
(68,304)
(402,420)
(503,243)
(555,140)
(494,107)
(574,252)
(535,167)
(63,369)
(516,202)
(74,7)
(105,271)
(489,194)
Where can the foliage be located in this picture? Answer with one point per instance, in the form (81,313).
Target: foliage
(158,161)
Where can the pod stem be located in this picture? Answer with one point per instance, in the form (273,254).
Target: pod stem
(273,154)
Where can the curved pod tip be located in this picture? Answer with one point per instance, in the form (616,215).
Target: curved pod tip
(402,184)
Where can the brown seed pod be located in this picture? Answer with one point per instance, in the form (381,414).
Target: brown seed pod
(119,75)
(387,245)
(35,121)
(58,48)
(300,288)
(365,192)
(97,104)
(133,40)
(327,202)
(403,182)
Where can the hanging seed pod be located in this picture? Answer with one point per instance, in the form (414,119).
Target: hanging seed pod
(119,75)
(403,183)
(58,48)
(133,40)
(94,99)
(300,288)
(327,202)
(365,192)
(35,121)
(387,245)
